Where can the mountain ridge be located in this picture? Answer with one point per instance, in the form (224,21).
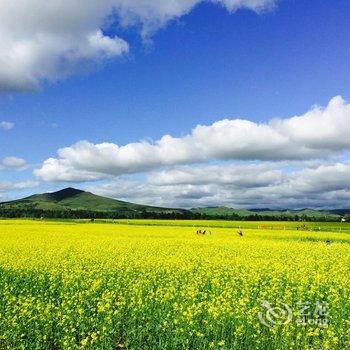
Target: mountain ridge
(69,201)
(74,199)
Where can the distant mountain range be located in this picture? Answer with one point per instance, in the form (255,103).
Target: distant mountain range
(71,202)
(244,213)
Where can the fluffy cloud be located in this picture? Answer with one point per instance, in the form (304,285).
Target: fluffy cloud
(6,125)
(240,175)
(321,179)
(320,186)
(14,163)
(319,133)
(46,41)
(327,129)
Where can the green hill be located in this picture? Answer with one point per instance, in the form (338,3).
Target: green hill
(222,211)
(71,199)
(285,213)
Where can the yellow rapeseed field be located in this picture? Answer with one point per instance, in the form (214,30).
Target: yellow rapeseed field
(108,286)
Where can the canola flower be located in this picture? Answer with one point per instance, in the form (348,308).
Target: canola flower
(107,286)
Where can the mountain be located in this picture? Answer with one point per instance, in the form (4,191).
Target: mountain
(74,203)
(332,214)
(222,211)
(71,199)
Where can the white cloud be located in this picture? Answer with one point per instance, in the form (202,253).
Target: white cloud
(46,41)
(6,125)
(240,175)
(67,173)
(320,179)
(42,40)
(324,186)
(155,14)
(319,133)
(319,128)
(14,163)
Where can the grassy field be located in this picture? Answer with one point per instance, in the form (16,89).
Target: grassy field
(142,285)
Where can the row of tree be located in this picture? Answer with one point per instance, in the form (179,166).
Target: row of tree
(171,215)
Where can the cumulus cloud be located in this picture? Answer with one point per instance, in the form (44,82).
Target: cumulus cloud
(319,133)
(240,175)
(323,186)
(14,163)
(46,41)
(6,125)
(324,178)
(320,128)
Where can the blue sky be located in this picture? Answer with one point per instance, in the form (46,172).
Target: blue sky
(204,65)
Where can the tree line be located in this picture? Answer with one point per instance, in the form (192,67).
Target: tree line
(170,215)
